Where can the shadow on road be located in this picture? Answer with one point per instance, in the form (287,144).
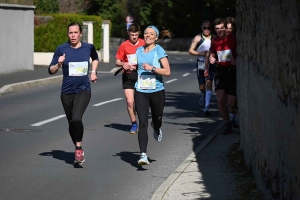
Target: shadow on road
(132,158)
(121,127)
(68,157)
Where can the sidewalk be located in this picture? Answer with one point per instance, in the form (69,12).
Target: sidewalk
(203,175)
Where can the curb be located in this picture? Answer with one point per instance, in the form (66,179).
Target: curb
(163,189)
(15,87)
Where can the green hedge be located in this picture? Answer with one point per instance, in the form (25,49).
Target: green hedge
(53,33)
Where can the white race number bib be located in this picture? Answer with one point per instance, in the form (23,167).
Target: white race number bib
(224,56)
(201,65)
(78,68)
(132,59)
(146,82)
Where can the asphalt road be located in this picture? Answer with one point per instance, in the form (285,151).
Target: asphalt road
(37,152)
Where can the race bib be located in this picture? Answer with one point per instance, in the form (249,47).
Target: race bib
(224,56)
(78,68)
(201,65)
(146,82)
(132,59)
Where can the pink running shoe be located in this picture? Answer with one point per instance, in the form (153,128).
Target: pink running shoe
(79,157)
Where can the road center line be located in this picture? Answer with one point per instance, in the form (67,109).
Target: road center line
(48,120)
(105,102)
(171,80)
(186,74)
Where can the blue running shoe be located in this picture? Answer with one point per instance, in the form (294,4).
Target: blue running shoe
(134,129)
(156,134)
(143,159)
(206,111)
(202,100)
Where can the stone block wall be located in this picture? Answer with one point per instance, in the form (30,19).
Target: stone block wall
(268,38)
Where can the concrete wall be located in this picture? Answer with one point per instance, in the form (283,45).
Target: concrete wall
(16,37)
(268,38)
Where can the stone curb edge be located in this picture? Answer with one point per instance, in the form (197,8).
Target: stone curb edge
(15,87)
(163,189)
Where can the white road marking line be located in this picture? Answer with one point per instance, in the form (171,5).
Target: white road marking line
(171,80)
(178,58)
(191,60)
(194,70)
(48,120)
(186,74)
(105,102)
(61,116)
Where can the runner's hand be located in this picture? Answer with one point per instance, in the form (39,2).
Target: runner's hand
(147,67)
(206,72)
(212,58)
(126,66)
(61,59)
(93,77)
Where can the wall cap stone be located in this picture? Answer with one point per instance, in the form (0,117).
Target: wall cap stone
(17,6)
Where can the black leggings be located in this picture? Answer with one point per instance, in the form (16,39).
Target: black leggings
(74,106)
(156,101)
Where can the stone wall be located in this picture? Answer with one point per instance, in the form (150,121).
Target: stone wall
(268,38)
(16,37)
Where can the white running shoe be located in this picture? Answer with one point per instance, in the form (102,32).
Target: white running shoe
(143,159)
(156,134)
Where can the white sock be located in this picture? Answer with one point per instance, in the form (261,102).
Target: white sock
(207,98)
(231,116)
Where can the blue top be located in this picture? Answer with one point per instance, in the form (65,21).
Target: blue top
(152,58)
(76,83)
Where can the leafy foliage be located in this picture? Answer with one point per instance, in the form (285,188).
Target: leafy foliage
(53,33)
(46,6)
(21,2)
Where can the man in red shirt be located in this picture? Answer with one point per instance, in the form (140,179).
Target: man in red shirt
(126,58)
(223,48)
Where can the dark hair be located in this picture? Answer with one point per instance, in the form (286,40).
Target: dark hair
(205,21)
(220,21)
(231,20)
(75,24)
(134,28)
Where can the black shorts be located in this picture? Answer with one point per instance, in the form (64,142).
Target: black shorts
(128,80)
(225,79)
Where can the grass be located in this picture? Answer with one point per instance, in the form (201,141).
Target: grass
(247,188)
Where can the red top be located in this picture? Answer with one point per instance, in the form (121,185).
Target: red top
(224,49)
(127,48)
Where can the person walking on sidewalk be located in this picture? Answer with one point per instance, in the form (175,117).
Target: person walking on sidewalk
(199,47)
(152,65)
(74,57)
(126,58)
(223,51)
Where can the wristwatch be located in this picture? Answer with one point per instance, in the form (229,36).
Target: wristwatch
(153,69)
(93,71)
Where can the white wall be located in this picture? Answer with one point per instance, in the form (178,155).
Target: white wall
(16,37)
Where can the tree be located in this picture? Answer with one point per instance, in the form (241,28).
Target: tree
(46,6)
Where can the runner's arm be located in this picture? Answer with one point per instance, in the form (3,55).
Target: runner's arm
(193,46)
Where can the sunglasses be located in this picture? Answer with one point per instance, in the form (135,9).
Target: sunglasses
(206,28)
